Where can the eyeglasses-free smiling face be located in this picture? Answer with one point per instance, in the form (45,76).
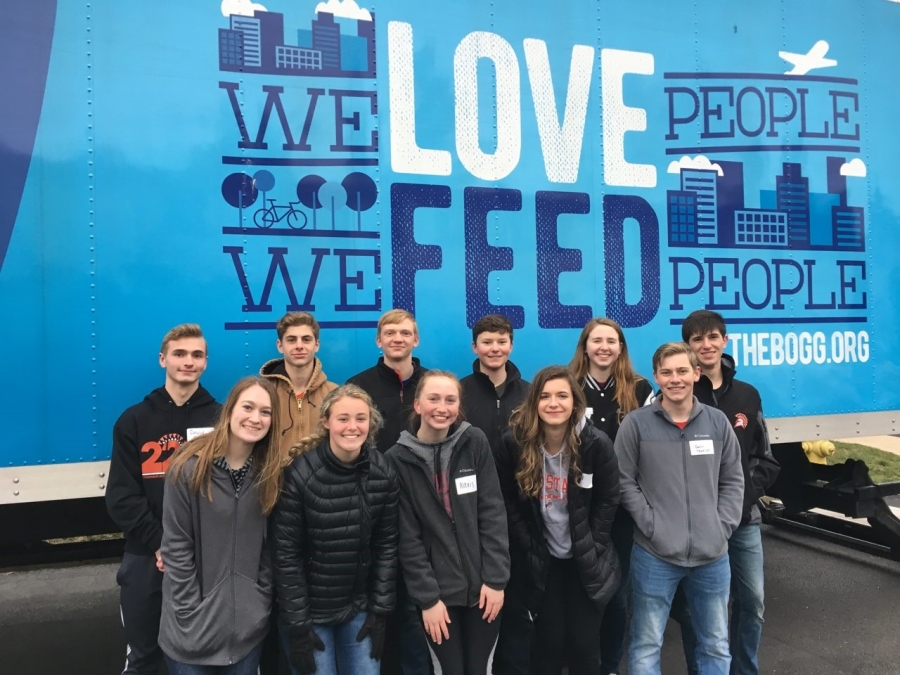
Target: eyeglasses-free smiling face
(252,416)
(556,403)
(347,425)
(438,403)
(676,377)
(603,347)
(708,347)
(492,349)
(397,340)
(184,360)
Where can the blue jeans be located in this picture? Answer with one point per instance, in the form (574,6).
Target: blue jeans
(249,665)
(746,554)
(653,584)
(342,652)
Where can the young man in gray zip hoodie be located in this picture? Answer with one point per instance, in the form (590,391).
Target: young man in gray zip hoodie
(682,482)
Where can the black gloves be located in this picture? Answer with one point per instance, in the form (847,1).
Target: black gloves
(300,651)
(374,628)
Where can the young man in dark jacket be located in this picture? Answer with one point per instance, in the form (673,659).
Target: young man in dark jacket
(495,387)
(392,385)
(392,381)
(683,485)
(705,332)
(144,438)
(490,394)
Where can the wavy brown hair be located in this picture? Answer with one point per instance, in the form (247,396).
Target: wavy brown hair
(527,429)
(307,443)
(622,370)
(208,447)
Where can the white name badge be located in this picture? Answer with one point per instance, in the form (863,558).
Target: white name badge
(466,484)
(196,432)
(702,447)
(586,481)
(589,412)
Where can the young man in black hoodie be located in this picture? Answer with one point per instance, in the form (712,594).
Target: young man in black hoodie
(144,438)
(705,332)
(392,385)
(490,394)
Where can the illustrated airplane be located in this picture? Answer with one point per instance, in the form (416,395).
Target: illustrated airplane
(803,63)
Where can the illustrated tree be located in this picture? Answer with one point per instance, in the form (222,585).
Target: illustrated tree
(239,191)
(308,193)
(361,194)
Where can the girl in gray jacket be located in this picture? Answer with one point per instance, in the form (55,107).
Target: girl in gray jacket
(217,582)
(454,548)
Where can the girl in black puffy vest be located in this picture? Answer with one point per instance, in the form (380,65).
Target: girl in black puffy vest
(335,540)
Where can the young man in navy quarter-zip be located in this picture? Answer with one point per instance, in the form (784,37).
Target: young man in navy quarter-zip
(682,483)
(490,394)
(144,438)
(392,385)
(705,332)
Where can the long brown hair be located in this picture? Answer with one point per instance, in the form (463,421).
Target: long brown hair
(622,371)
(307,443)
(528,431)
(208,447)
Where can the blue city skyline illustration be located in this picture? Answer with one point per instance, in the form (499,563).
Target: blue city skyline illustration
(709,210)
(257,44)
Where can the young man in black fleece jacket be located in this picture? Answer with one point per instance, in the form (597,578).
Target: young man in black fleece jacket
(705,332)
(490,394)
(392,381)
(144,438)
(392,385)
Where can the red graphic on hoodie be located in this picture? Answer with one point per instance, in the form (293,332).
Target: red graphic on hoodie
(740,420)
(158,453)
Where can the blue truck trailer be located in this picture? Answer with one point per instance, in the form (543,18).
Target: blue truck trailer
(226,162)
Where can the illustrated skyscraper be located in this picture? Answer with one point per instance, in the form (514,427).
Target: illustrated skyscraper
(792,197)
(702,182)
(326,36)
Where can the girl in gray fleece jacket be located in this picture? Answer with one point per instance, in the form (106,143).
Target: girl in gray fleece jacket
(454,548)
(217,581)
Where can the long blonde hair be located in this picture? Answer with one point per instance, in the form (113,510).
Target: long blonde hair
(527,429)
(622,370)
(307,443)
(208,447)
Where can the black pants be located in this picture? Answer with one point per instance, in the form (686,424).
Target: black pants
(566,626)
(471,642)
(140,601)
(513,653)
(405,646)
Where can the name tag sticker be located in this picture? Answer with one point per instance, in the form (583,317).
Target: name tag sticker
(589,412)
(702,448)
(586,481)
(196,432)
(466,484)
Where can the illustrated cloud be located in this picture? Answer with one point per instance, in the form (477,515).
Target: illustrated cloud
(699,162)
(347,9)
(241,7)
(856,167)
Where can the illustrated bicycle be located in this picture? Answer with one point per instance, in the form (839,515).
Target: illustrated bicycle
(266,217)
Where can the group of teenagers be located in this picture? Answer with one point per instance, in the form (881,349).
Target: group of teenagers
(409,520)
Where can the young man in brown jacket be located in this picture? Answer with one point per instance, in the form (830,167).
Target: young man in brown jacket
(298,377)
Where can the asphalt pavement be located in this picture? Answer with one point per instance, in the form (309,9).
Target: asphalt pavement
(829,611)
